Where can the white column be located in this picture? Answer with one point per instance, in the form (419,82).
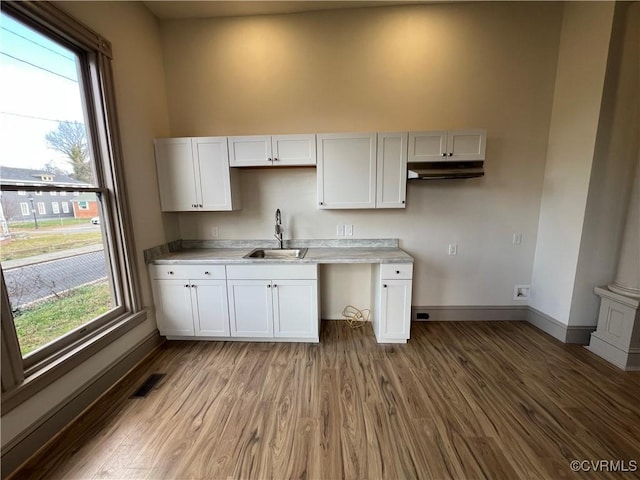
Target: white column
(627,280)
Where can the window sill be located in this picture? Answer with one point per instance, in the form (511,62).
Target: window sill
(39,378)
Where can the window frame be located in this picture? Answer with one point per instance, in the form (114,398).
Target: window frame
(22,377)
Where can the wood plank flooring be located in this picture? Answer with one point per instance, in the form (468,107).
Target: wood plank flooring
(460,400)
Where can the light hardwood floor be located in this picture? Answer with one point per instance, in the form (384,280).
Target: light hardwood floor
(460,400)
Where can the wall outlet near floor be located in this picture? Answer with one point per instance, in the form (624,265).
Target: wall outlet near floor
(340,231)
(214,232)
(348,230)
(453,249)
(521,292)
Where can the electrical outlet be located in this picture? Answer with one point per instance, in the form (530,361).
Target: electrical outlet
(348,230)
(214,232)
(340,231)
(521,292)
(517,238)
(453,249)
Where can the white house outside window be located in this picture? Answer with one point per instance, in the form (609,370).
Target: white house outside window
(65,207)
(24,208)
(55,207)
(41,208)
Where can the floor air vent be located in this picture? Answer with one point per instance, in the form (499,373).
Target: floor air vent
(148,384)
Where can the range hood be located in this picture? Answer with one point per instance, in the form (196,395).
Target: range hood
(444,170)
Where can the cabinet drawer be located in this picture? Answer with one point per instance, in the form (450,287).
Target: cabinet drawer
(194,272)
(396,270)
(272,272)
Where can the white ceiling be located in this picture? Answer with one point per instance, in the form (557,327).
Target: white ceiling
(166,10)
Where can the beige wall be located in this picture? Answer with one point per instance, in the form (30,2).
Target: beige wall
(140,90)
(586,28)
(443,66)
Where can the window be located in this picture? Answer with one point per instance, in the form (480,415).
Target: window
(55,207)
(53,193)
(83,205)
(60,79)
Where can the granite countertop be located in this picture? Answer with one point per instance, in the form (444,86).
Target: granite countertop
(319,251)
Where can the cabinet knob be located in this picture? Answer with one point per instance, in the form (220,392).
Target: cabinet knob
(186,286)
(275,159)
(444,154)
(269,286)
(403,202)
(269,159)
(193,286)
(450,154)
(397,272)
(170,272)
(200,205)
(275,285)
(321,203)
(207,273)
(385,285)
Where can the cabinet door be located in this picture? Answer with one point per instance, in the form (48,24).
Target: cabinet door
(293,149)
(295,306)
(427,146)
(466,145)
(250,308)
(176,174)
(395,310)
(347,170)
(391,170)
(210,308)
(173,307)
(213,186)
(250,151)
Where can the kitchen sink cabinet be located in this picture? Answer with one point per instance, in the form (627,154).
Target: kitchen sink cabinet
(274,301)
(391,314)
(194,175)
(190,301)
(447,145)
(272,150)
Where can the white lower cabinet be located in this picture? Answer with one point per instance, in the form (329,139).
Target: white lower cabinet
(190,300)
(250,308)
(392,302)
(279,301)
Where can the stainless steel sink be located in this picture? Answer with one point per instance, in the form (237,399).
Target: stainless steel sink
(277,253)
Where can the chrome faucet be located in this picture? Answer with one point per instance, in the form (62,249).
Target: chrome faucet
(278,233)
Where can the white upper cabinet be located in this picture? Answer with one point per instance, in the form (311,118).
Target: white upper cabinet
(276,150)
(391,172)
(346,170)
(194,174)
(293,149)
(250,151)
(451,145)
(466,144)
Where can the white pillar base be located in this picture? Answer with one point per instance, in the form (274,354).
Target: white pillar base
(617,338)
